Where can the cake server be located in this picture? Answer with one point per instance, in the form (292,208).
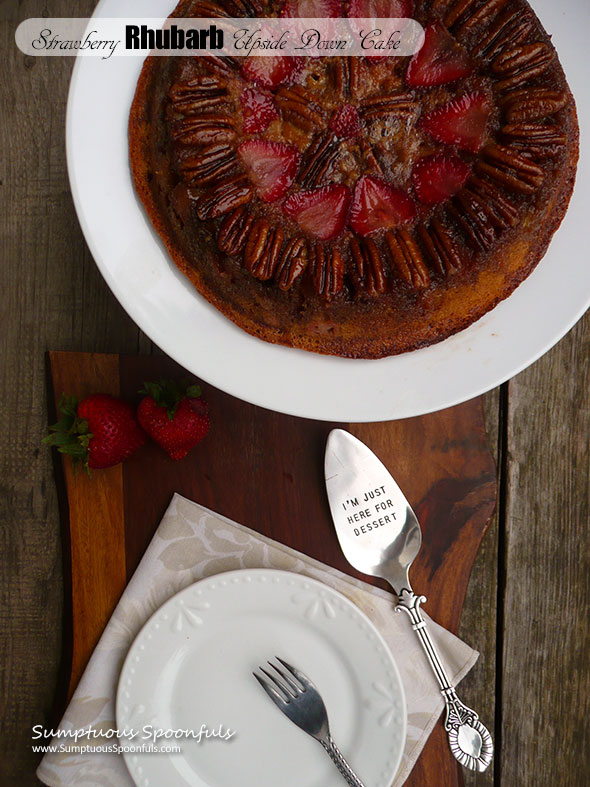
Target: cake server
(380,535)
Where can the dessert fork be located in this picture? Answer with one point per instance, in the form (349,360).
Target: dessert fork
(294,694)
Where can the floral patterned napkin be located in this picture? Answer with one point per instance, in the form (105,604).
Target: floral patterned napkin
(192,543)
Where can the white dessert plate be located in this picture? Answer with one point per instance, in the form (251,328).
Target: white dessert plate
(191,666)
(166,307)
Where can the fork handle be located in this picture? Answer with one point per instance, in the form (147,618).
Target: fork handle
(339,761)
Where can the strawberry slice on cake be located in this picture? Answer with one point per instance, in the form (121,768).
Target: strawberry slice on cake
(440,60)
(461,122)
(380,9)
(258,111)
(376,205)
(312,9)
(321,212)
(271,166)
(271,71)
(438,177)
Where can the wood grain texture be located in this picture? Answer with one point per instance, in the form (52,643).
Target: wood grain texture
(546,644)
(479,620)
(51,295)
(91,499)
(265,470)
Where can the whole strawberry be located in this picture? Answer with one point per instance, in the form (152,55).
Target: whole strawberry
(100,431)
(174,416)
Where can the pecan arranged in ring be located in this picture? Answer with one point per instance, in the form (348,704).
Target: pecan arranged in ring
(369,275)
(509,169)
(226,195)
(441,248)
(511,27)
(203,129)
(476,224)
(407,258)
(292,263)
(263,250)
(197,86)
(464,17)
(326,268)
(539,140)
(207,164)
(234,230)
(521,64)
(318,159)
(503,211)
(532,103)
(376,107)
(298,107)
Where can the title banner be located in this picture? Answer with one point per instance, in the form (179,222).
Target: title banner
(227,37)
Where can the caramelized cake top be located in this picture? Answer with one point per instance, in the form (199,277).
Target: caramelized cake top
(360,206)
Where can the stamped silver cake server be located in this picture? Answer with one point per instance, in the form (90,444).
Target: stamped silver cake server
(380,535)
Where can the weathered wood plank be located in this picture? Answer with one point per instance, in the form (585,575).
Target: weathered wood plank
(546,645)
(478,621)
(51,296)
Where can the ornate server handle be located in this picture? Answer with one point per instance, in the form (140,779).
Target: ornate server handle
(340,762)
(470,741)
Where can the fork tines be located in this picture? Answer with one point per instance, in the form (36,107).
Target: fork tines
(282,689)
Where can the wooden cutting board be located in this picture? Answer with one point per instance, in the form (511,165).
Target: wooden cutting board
(265,470)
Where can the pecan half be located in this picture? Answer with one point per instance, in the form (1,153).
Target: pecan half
(441,248)
(202,85)
(226,195)
(298,107)
(532,103)
(504,211)
(225,65)
(326,268)
(538,140)
(509,169)
(203,129)
(208,8)
(474,204)
(476,224)
(292,263)
(511,27)
(407,258)
(318,159)
(263,250)
(207,164)
(521,64)
(464,15)
(234,230)
(398,103)
(369,275)
(370,159)
(247,7)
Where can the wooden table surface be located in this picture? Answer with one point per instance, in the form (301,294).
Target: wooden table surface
(529,594)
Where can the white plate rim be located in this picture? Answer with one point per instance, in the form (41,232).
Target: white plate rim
(269,573)
(486,354)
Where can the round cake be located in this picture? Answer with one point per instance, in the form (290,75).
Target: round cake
(358,206)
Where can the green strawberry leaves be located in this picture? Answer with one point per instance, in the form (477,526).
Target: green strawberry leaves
(169,393)
(70,435)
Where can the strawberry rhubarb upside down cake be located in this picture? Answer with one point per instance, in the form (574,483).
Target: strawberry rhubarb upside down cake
(354,206)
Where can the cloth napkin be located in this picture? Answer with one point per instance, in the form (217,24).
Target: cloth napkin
(192,543)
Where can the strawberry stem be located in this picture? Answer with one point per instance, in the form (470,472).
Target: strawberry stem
(70,434)
(169,393)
